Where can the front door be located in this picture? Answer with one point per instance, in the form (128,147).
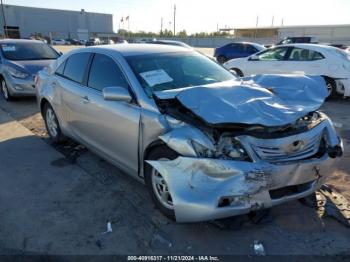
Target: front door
(270,61)
(110,127)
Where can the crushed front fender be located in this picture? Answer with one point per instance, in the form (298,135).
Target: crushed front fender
(199,186)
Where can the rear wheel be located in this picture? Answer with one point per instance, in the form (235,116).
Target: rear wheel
(156,184)
(331,87)
(4,90)
(52,125)
(221,59)
(237,71)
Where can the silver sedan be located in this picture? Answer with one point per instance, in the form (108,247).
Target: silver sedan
(206,144)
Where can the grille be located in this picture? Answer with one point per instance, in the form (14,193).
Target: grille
(277,151)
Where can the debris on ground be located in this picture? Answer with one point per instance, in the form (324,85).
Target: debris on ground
(157,238)
(259,248)
(109,228)
(332,204)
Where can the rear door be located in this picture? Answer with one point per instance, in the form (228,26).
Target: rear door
(70,83)
(269,61)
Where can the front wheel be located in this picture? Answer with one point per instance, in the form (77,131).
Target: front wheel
(157,185)
(221,59)
(52,125)
(5,91)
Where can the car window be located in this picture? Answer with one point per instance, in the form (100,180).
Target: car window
(301,54)
(275,54)
(104,72)
(250,49)
(157,72)
(60,69)
(75,67)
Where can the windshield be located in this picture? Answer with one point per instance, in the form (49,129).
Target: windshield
(28,51)
(159,72)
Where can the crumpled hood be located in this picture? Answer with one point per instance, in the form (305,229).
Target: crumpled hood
(31,66)
(268,100)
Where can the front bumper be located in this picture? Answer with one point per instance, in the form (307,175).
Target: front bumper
(205,189)
(19,86)
(208,188)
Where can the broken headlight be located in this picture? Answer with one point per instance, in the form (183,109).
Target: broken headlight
(201,150)
(231,148)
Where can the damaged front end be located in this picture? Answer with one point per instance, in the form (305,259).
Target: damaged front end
(226,169)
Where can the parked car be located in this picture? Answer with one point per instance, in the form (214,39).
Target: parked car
(93,41)
(330,62)
(73,42)
(58,42)
(298,40)
(206,144)
(236,50)
(82,42)
(20,60)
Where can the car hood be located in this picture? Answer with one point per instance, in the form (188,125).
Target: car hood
(31,66)
(268,100)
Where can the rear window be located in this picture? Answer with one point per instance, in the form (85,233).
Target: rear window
(341,54)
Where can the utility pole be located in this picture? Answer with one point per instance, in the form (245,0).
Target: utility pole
(174,19)
(273,18)
(256,26)
(161,26)
(4,19)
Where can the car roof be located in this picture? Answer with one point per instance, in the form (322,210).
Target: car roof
(315,47)
(15,41)
(141,49)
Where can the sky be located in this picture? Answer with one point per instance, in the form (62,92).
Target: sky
(205,15)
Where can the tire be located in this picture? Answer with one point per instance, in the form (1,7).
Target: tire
(153,184)
(221,59)
(5,91)
(52,125)
(331,88)
(237,71)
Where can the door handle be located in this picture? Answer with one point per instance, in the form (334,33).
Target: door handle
(85,99)
(53,84)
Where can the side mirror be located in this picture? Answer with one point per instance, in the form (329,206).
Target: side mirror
(116,93)
(60,53)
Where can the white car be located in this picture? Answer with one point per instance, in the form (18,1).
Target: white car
(58,42)
(327,61)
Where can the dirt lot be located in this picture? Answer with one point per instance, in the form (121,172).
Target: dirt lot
(66,212)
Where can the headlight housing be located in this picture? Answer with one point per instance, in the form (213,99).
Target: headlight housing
(228,148)
(231,148)
(16,73)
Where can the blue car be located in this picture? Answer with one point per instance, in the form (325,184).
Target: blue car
(236,50)
(20,60)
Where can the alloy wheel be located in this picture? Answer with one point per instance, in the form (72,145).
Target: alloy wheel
(161,189)
(51,122)
(4,90)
